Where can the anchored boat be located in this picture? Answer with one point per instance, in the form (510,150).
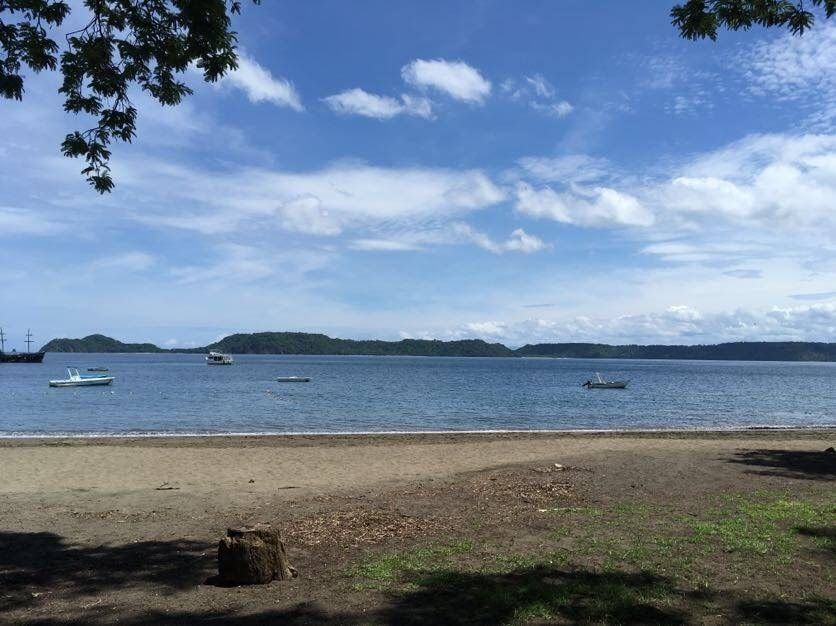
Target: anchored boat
(78,380)
(294,379)
(19,357)
(600,383)
(218,358)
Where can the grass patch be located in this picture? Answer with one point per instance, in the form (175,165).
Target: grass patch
(388,568)
(626,563)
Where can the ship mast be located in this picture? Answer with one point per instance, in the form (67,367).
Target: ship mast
(2,341)
(28,340)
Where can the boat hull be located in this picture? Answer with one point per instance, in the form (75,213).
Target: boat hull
(84,382)
(21,357)
(293,379)
(612,385)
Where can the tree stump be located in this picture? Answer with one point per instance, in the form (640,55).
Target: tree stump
(253,555)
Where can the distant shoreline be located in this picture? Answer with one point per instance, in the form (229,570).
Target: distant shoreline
(315,344)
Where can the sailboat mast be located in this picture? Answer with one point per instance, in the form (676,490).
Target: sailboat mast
(2,340)
(28,340)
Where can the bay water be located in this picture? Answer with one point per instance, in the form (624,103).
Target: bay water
(180,394)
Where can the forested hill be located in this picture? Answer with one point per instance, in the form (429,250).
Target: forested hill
(309,343)
(738,351)
(294,343)
(97,343)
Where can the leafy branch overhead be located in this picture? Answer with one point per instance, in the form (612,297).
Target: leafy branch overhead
(149,43)
(122,43)
(700,19)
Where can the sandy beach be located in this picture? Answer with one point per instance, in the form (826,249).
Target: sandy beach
(107,530)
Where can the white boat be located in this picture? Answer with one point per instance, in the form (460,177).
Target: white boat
(77,380)
(294,379)
(600,383)
(218,358)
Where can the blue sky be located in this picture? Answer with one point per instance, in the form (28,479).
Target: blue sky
(519,172)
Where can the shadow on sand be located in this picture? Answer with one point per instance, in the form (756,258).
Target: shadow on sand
(37,562)
(806,464)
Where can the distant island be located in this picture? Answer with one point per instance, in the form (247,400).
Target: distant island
(295,343)
(314,343)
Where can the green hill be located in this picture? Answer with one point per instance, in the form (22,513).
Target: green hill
(97,343)
(313,343)
(738,351)
(308,343)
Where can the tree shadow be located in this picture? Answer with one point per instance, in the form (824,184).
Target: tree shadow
(826,536)
(32,562)
(538,592)
(780,612)
(805,464)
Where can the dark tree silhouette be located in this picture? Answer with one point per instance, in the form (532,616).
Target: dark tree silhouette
(700,19)
(123,43)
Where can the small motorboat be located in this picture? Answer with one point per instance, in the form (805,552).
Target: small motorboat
(600,383)
(97,369)
(293,379)
(75,379)
(218,358)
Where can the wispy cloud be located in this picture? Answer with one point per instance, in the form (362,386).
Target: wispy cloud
(359,102)
(456,79)
(14,221)
(538,93)
(322,202)
(518,241)
(822,295)
(261,86)
(795,69)
(135,261)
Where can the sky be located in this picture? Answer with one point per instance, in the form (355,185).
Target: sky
(516,172)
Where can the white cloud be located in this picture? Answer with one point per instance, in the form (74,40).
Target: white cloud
(539,93)
(360,102)
(675,324)
(791,67)
(24,222)
(797,69)
(597,207)
(519,240)
(261,86)
(457,79)
(382,245)
(541,86)
(557,109)
(707,252)
(572,168)
(237,263)
(764,183)
(136,261)
(306,215)
(325,201)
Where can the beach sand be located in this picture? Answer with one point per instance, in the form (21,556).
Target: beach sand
(125,530)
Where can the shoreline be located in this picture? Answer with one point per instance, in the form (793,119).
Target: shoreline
(428,436)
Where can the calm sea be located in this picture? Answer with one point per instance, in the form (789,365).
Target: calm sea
(179,394)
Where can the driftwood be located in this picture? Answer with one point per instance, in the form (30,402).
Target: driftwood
(253,555)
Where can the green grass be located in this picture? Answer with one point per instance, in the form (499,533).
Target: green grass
(388,568)
(612,564)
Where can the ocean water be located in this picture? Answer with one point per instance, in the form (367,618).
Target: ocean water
(180,394)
